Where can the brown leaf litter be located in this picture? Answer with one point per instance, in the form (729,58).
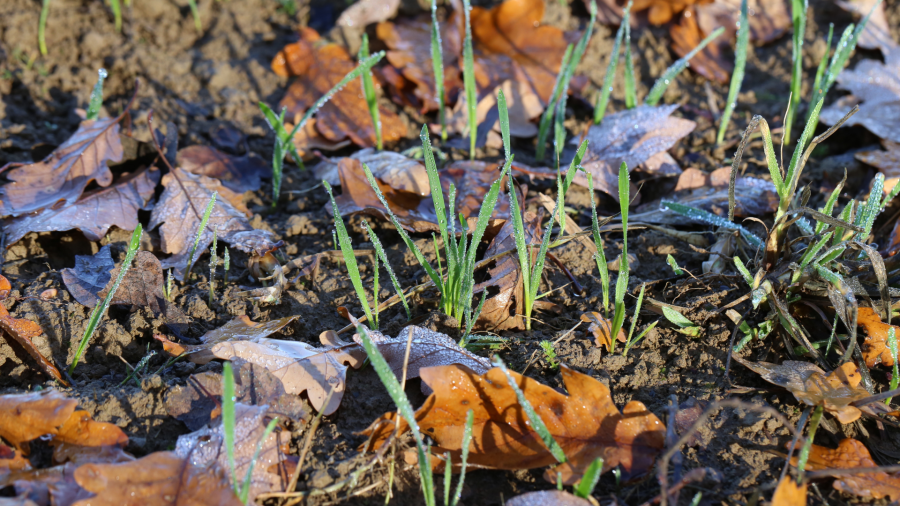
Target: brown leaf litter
(850,454)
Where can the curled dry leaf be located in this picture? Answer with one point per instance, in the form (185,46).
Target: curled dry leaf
(631,136)
(601,328)
(23,331)
(875,349)
(585,423)
(557,497)
(239,173)
(64,174)
(710,62)
(308,139)
(850,454)
(318,67)
(94,213)
(660,12)
(366,12)
(788,493)
(810,385)
(179,211)
(241,328)
(393,169)
(197,403)
(874,87)
(205,449)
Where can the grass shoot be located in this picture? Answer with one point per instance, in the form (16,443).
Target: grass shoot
(622,280)
(549,354)
(630,87)
(100,309)
(195,12)
(117,14)
(895,373)
(659,87)
(737,77)
(213,262)
(437,63)
(798,15)
(200,230)
(42,26)
(585,487)
(369,90)
(469,81)
(606,90)
(379,252)
(631,340)
(226,264)
(96,100)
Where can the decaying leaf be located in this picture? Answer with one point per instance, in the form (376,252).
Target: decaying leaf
(631,136)
(768,19)
(366,12)
(179,211)
(26,417)
(557,497)
(23,331)
(810,385)
(850,454)
(393,169)
(94,213)
(875,348)
(585,423)
(64,174)
(241,328)
(239,173)
(308,139)
(710,62)
(887,162)
(205,449)
(877,33)
(875,87)
(159,479)
(473,180)
(12,460)
(427,349)
(318,67)
(660,12)
(197,403)
(788,493)
(523,106)
(601,328)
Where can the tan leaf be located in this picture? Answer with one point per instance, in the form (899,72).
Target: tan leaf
(877,33)
(850,454)
(239,173)
(241,328)
(64,174)
(393,169)
(601,328)
(308,139)
(875,87)
(523,106)
(788,493)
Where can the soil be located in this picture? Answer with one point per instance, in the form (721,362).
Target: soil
(211,80)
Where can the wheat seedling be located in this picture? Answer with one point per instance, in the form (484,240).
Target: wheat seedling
(200,230)
(737,76)
(469,81)
(369,90)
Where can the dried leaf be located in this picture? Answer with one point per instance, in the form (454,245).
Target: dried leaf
(308,139)
(393,169)
(205,449)
(77,454)
(850,454)
(366,12)
(197,402)
(789,493)
(523,106)
(875,348)
(473,180)
(90,276)
(631,136)
(94,213)
(887,162)
(23,331)
(179,211)
(557,497)
(601,328)
(241,328)
(710,62)
(239,173)
(159,479)
(756,197)
(660,12)
(64,174)
(586,423)
(810,385)
(319,66)
(877,33)
(874,87)
(12,460)
(769,19)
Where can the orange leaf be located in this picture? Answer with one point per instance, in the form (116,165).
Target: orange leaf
(12,460)
(29,416)
(601,328)
(789,493)
(80,429)
(709,62)
(319,67)
(850,454)
(875,349)
(586,423)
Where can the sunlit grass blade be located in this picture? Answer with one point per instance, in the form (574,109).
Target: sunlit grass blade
(100,309)
(712,219)
(437,63)
(244,495)
(228,420)
(892,346)
(798,15)
(659,87)
(379,250)
(532,416)
(469,81)
(213,262)
(606,90)
(811,435)
(195,12)
(369,90)
(466,441)
(870,210)
(823,63)
(600,256)
(42,26)
(635,316)
(737,76)
(744,271)
(547,117)
(202,228)
(117,14)
(589,479)
(96,101)
(349,256)
(503,111)
(630,86)
(622,280)
(792,176)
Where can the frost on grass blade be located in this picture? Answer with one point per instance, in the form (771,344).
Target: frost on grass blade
(711,219)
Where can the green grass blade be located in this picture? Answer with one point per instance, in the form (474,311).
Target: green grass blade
(117,14)
(437,64)
(798,14)
(677,318)
(504,124)
(387,377)
(369,90)
(544,125)
(213,262)
(379,250)
(42,25)
(793,173)
(203,221)
(195,12)
(437,197)
(622,279)
(100,309)
(598,242)
(630,87)
(635,317)
(829,204)
(466,441)
(771,161)
(589,479)
(244,496)
(745,272)
(532,416)
(823,63)
(669,75)
(737,77)
(712,219)
(96,101)
(574,166)
(349,256)
(228,420)
(866,216)
(469,81)
(606,90)
(892,346)
(484,216)
(804,452)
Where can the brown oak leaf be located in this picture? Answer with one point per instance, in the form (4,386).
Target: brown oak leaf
(788,493)
(239,173)
(850,454)
(875,348)
(709,62)
(601,328)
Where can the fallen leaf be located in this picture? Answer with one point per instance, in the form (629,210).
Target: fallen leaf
(631,136)
(308,139)
(94,213)
(769,19)
(874,87)
(788,493)
(12,460)
(557,497)
(601,328)
(586,423)
(660,12)
(427,349)
(393,169)
(366,12)
(756,197)
(810,385)
(709,62)
(64,174)
(887,162)
(877,33)
(850,454)
(318,67)
(90,276)
(238,173)
(23,331)
(687,415)
(159,479)
(77,454)
(205,448)
(472,180)
(523,106)
(409,50)
(241,328)
(875,348)
(179,210)
(197,403)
